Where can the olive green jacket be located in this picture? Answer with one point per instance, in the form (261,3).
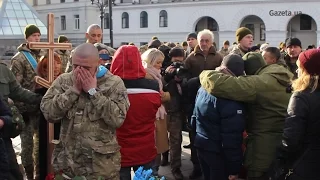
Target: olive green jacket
(267,99)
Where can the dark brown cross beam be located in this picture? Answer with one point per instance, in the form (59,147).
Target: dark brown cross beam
(51,46)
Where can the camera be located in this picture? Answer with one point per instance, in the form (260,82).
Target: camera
(180,70)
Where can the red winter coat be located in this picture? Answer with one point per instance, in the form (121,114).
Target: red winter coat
(137,134)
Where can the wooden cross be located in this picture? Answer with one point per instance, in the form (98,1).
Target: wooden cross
(51,46)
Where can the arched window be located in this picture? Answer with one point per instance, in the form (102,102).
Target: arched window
(143,19)
(163,19)
(125,20)
(106,23)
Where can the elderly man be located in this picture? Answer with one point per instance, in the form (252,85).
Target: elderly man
(265,91)
(90,110)
(204,57)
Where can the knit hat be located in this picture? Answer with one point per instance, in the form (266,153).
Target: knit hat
(252,62)
(254,48)
(30,29)
(176,52)
(293,42)
(154,44)
(192,35)
(62,39)
(242,32)
(100,46)
(234,63)
(310,61)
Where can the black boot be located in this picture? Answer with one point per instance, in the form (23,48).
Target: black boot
(165,159)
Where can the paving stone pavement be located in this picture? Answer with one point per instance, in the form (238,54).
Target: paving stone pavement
(163,171)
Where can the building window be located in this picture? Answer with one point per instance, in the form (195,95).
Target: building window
(48,1)
(63,23)
(163,19)
(143,19)
(124,43)
(262,32)
(125,20)
(75,0)
(35,2)
(62,1)
(106,22)
(76,22)
(251,27)
(305,22)
(212,24)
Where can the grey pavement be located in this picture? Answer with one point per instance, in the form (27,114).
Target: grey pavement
(163,171)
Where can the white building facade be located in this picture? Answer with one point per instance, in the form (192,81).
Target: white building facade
(137,21)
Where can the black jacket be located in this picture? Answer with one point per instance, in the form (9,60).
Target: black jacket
(5,116)
(301,136)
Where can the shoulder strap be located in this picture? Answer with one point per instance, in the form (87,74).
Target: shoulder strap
(31,59)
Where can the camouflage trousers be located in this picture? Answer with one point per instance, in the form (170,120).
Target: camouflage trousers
(98,167)
(30,142)
(175,122)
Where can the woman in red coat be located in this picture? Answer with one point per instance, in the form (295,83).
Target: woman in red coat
(137,134)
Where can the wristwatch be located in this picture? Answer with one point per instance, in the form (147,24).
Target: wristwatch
(92,91)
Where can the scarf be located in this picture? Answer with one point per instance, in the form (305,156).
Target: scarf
(155,73)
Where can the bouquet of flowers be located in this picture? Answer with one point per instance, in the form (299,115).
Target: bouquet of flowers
(142,174)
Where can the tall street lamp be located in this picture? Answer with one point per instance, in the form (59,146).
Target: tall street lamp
(102,4)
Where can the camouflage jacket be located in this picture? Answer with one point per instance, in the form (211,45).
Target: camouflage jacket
(65,56)
(69,64)
(224,52)
(237,50)
(24,74)
(88,124)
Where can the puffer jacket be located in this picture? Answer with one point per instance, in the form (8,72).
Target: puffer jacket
(267,98)
(219,126)
(300,145)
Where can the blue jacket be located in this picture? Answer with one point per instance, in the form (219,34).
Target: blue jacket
(219,127)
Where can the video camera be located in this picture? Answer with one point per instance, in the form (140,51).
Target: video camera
(179,70)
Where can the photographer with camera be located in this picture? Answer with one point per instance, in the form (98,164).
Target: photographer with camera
(175,76)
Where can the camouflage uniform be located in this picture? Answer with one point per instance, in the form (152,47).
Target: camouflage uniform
(9,87)
(237,50)
(25,74)
(88,145)
(65,56)
(69,64)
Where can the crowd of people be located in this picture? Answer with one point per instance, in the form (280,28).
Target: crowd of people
(250,110)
